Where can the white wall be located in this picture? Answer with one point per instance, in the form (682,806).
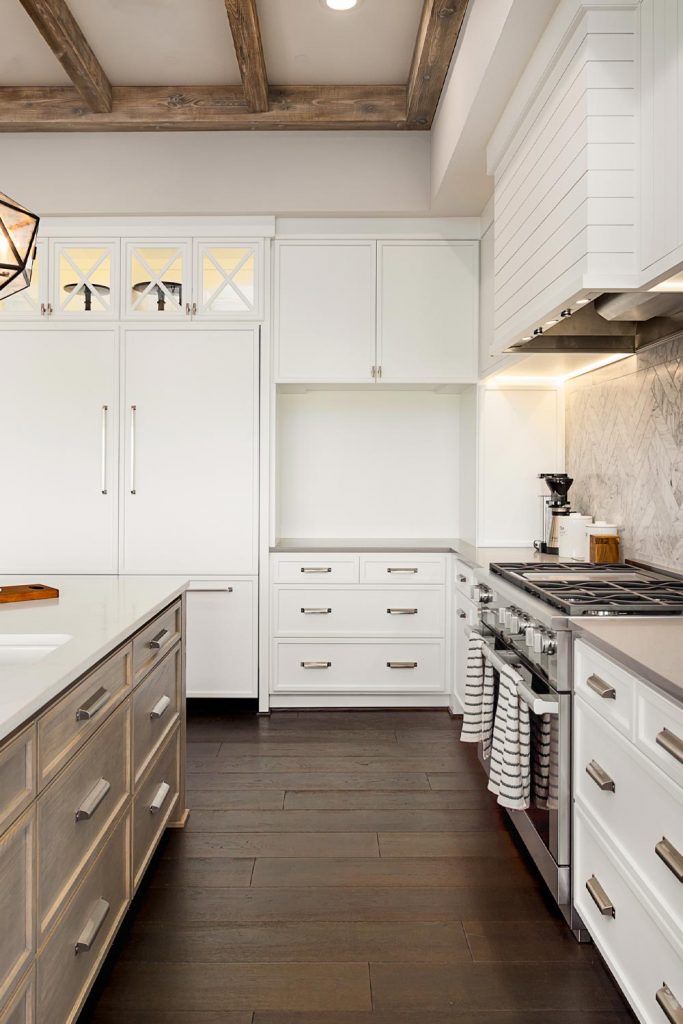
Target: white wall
(218,172)
(368,464)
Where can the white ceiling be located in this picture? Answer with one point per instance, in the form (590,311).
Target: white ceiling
(188,42)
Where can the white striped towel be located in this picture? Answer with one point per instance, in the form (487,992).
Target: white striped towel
(477,724)
(510,774)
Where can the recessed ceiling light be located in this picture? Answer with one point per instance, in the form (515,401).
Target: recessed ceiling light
(340,5)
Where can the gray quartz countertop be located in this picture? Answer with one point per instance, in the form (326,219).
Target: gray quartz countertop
(649,646)
(476,557)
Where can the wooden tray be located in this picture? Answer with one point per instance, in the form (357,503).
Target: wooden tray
(27,592)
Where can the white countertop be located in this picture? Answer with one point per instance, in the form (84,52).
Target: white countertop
(476,557)
(98,612)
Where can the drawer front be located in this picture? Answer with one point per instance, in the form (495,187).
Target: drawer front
(156,709)
(397,611)
(332,666)
(325,569)
(17,776)
(605,686)
(403,568)
(72,956)
(155,640)
(641,810)
(659,732)
(640,955)
(466,610)
(69,723)
(17,901)
(21,1008)
(464,579)
(154,802)
(77,809)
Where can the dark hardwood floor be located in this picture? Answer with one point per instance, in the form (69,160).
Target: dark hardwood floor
(344,868)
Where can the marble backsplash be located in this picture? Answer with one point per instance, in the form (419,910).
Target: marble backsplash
(624,448)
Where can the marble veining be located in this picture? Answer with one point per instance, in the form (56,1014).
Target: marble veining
(624,448)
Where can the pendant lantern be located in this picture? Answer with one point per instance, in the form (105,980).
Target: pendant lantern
(18,230)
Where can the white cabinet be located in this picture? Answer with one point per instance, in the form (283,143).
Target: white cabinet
(157,278)
(84,279)
(325,310)
(58,405)
(221,642)
(190,473)
(427,310)
(31,302)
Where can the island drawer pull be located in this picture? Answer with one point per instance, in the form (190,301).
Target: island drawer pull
(670,742)
(401,664)
(316,611)
(316,664)
(401,611)
(160,640)
(667,852)
(669,1004)
(400,568)
(600,777)
(160,707)
(600,897)
(93,800)
(92,705)
(599,686)
(159,798)
(316,568)
(89,934)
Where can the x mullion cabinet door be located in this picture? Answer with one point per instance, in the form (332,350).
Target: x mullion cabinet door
(84,280)
(228,279)
(157,277)
(31,302)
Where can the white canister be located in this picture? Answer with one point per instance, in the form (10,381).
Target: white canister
(597,528)
(572,542)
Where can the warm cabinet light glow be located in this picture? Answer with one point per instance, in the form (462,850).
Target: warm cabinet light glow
(18,230)
(341,5)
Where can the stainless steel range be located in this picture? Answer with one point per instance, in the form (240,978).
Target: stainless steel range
(524,612)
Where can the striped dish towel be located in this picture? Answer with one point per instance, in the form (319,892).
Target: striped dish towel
(477,724)
(510,774)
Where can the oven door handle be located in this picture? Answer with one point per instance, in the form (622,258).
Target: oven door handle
(538,703)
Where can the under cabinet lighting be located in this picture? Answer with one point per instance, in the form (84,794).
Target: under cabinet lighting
(18,230)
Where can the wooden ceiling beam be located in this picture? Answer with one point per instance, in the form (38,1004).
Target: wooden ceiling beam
(205,108)
(61,32)
(246,35)
(440,26)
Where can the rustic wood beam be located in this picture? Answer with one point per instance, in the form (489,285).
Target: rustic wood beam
(440,26)
(205,108)
(61,32)
(246,35)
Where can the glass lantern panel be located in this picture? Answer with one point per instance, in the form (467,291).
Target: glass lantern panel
(228,279)
(156,280)
(84,279)
(26,301)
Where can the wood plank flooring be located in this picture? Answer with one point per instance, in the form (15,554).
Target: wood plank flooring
(344,868)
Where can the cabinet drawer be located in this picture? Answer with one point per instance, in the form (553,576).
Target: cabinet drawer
(69,962)
(221,639)
(378,611)
(155,640)
(76,810)
(21,1008)
(17,901)
(659,732)
(466,610)
(605,686)
(319,568)
(403,568)
(154,802)
(336,666)
(17,775)
(464,579)
(156,709)
(642,809)
(68,724)
(639,954)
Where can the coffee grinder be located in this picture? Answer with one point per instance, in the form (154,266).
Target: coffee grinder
(554,508)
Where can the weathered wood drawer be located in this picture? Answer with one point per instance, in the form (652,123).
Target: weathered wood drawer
(156,709)
(155,640)
(154,803)
(77,809)
(17,901)
(17,775)
(74,951)
(69,722)
(21,1008)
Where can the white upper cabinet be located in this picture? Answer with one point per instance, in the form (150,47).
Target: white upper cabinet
(325,310)
(59,406)
(427,310)
(228,280)
(157,280)
(84,279)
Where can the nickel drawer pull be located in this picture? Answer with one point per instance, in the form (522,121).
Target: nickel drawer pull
(209,590)
(160,640)
(133,417)
(316,611)
(159,798)
(600,897)
(160,707)
(103,481)
(669,1004)
(461,578)
(316,664)
(401,611)
(599,686)
(92,705)
(462,614)
(600,777)
(667,852)
(93,800)
(89,934)
(316,568)
(401,664)
(402,569)
(672,743)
